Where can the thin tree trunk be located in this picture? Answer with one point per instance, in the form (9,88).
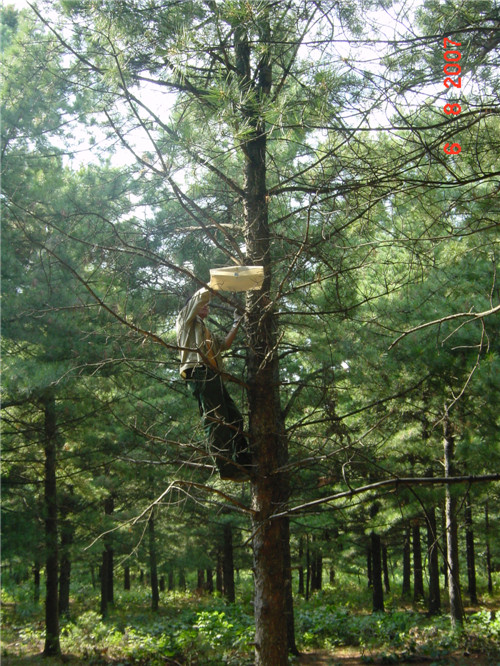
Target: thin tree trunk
(104,583)
(471,556)
(201,579)
(67,532)
(107,567)
(171,581)
(387,584)
(418,578)
(219,580)
(378,590)
(300,589)
(434,604)
(453,572)
(406,589)
(36,581)
(445,544)
(369,565)
(308,568)
(182,579)
(292,646)
(210,580)
(228,563)
(52,645)
(316,569)
(153,568)
(488,548)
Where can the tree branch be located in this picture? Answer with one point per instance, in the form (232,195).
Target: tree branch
(474,316)
(401,482)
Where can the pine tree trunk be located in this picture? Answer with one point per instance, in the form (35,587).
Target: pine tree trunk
(471,556)
(418,578)
(52,645)
(107,567)
(292,646)
(452,565)
(103,574)
(316,570)
(434,604)
(267,437)
(111,574)
(489,571)
(182,579)
(376,557)
(67,533)
(228,563)
(369,566)
(406,589)
(385,567)
(218,574)
(300,589)
(171,581)
(36,582)
(308,568)
(210,580)
(201,579)
(153,569)
(126,577)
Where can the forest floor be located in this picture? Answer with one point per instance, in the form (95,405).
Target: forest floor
(341,657)
(194,631)
(353,657)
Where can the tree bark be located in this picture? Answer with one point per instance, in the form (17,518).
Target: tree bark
(488,548)
(126,577)
(67,533)
(369,566)
(171,580)
(418,578)
(36,581)
(300,589)
(103,575)
(308,568)
(406,589)
(218,574)
(107,566)
(228,563)
(153,568)
(376,557)
(201,579)
(385,567)
(292,645)
(434,603)
(316,569)
(470,550)
(452,565)
(210,580)
(52,645)
(266,430)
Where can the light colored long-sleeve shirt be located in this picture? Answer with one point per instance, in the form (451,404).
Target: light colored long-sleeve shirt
(198,346)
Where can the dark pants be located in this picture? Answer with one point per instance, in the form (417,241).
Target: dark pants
(222,420)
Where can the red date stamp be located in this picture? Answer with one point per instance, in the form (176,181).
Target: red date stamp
(453,80)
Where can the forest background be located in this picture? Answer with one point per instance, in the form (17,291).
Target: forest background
(350,148)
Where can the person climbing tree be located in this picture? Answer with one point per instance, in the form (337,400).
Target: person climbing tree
(201,366)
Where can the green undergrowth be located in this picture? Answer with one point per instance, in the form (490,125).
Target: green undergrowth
(397,634)
(207,631)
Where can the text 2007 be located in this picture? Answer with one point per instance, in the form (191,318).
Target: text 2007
(453,80)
